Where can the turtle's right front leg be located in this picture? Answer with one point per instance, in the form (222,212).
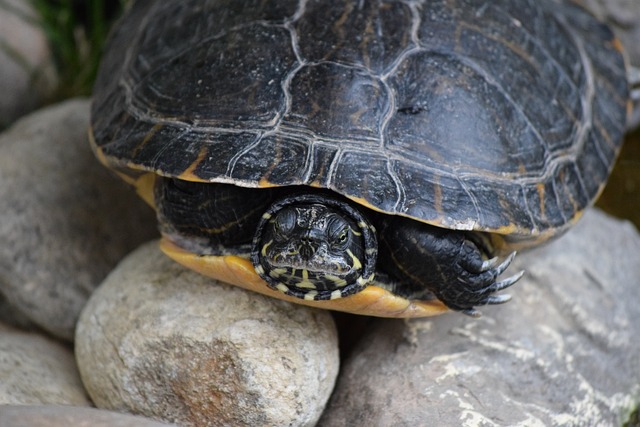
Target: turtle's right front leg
(459,272)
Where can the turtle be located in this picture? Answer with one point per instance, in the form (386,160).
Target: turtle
(379,157)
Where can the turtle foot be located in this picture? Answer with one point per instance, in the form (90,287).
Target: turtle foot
(477,283)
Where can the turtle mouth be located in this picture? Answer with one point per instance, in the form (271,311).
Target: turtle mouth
(318,260)
(303,278)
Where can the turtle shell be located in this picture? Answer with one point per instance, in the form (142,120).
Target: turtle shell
(502,116)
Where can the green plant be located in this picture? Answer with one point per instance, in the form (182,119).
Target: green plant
(77,31)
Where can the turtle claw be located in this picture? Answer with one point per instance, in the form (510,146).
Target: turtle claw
(504,284)
(496,299)
(489,264)
(477,288)
(505,264)
(471,312)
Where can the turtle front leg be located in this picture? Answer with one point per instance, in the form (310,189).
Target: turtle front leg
(453,265)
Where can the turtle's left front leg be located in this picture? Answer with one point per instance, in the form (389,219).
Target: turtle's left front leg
(454,265)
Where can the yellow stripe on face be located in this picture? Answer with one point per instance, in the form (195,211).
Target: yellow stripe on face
(305,284)
(311,295)
(356,262)
(364,280)
(263,252)
(335,295)
(277,272)
(282,287)
(339,282)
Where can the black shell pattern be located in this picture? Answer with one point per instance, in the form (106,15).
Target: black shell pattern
(499,116)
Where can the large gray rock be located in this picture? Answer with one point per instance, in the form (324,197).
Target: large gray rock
(65,220)
(69,416)
(563,352)
(37,370)
(158,340)
(27,73)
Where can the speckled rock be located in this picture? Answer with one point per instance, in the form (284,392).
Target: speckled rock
(563,352)
(65,220)
(27,72)
(158,340)
(69,416)
(37,370)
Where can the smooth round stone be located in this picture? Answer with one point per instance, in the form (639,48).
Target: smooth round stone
(162,341)
(563,352)
(65,220)
(27,71)
(37,370)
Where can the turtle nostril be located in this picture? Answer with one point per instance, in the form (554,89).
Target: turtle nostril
(307,251)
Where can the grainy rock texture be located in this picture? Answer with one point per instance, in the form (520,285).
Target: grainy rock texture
(37,370)
(158,340)
(65,220)
(27,73)
(564,352)
(69,416)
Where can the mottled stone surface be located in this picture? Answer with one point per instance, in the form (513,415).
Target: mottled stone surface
(27,74)
(37,370)
(69,416)
(158,340)
(65,220)
(564,352)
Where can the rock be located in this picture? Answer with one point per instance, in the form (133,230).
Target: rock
(9,315)
(65,416)
(37,370)
(65,220)
(27,72)
(162,341)
(563,352)
(624,18)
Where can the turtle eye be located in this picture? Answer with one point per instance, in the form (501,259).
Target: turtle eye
(285,222)
(338,231)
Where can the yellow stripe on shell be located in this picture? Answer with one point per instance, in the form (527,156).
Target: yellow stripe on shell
(189,173)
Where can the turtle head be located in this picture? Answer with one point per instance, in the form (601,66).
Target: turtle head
(314,246)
